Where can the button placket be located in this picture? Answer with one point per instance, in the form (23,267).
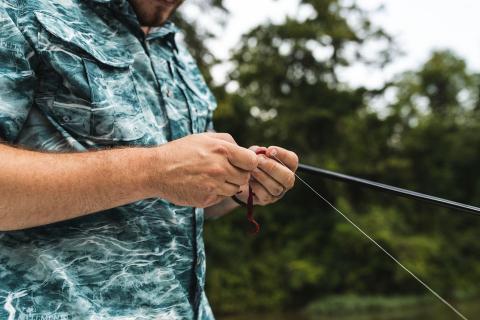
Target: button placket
(193,114)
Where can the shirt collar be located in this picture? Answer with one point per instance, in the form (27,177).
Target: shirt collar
(169,29)
(103,1)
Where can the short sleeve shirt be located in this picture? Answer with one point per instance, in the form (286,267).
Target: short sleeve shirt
(79,75)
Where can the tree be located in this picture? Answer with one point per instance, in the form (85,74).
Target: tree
(197,33)
(290,94)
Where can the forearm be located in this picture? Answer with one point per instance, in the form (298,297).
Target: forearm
(41,188)
(221,208)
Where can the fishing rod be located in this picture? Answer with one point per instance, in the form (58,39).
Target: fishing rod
(388,189)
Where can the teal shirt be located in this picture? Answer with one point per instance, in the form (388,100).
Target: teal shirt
(79,75)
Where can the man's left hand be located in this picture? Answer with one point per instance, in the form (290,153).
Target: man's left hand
(272,179)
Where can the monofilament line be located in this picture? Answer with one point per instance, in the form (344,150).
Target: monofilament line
(438,296)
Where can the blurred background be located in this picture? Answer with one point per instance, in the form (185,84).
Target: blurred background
(387,90)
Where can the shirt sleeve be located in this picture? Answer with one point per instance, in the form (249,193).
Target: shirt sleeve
(17,77)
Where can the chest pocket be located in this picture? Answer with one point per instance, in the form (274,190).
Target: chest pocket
(98,69)
(199,96)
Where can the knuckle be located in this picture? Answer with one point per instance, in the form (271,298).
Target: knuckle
(226,191)
(245,179)
(267,199)
(229,136)
(203,154)
(253,161)
(294,156)
(217,170)
(221,149)
(234,191)
(263,196)
(295,159)
(290,181)
(250,160)
(277,191)
(271,165)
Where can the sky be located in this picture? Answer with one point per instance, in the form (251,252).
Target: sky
(419,27)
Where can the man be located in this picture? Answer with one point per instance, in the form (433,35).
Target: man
(106,166)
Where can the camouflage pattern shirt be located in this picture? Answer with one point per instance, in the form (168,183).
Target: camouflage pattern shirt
(79,75)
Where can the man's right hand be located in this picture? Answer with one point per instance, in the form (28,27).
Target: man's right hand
(38,188)
(201,169)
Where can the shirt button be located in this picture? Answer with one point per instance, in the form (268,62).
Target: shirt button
(66,118)
(169,93)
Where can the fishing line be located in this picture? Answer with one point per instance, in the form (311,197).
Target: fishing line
(438,296)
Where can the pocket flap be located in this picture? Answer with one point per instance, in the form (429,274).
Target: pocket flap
(86,39)
(199,88)
(76,117)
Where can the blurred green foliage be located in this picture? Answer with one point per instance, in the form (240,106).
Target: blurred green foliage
(380,305)
(425,136)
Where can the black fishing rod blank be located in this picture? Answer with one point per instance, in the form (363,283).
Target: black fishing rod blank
(388,189)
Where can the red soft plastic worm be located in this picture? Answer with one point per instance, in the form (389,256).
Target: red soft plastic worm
(250,217)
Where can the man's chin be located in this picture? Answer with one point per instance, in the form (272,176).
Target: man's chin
(167,4)
(154,20)
(154,13)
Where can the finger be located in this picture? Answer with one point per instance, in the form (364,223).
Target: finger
(261,195)
(289,158)
(277,171)
(228,189)
(222,136)
(237,176)
(270,184)
(241,158)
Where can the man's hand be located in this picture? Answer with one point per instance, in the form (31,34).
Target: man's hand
(200,170)
(271,179)
(39,188)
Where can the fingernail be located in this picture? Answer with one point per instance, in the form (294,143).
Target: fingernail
(261,151)
(273,152)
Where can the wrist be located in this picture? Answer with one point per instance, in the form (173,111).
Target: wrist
(148,164)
